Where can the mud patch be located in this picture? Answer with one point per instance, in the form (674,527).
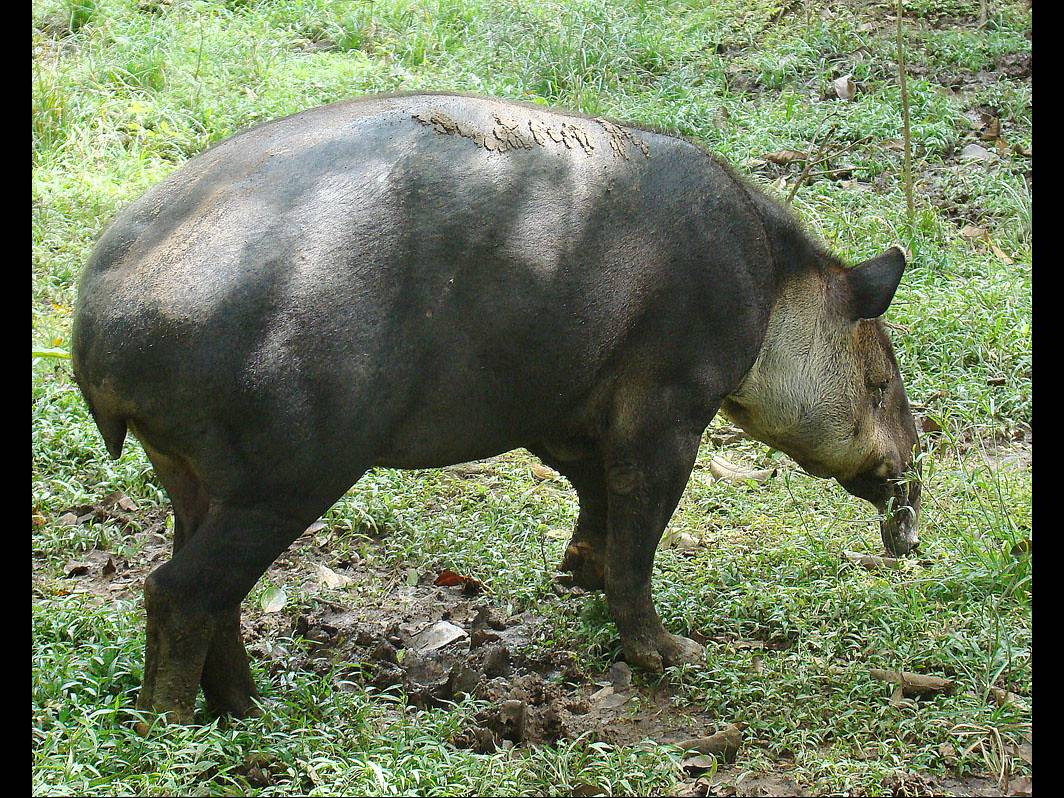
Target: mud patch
(508,134)
(620,138)
(437,644)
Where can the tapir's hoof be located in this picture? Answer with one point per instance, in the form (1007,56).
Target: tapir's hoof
(235,709)
(668,651)
(157,718)
(680,650)
(585,565)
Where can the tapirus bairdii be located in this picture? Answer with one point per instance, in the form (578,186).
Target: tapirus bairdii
(418,280)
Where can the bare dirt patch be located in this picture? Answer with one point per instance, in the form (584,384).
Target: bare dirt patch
(433,643)
(437,644)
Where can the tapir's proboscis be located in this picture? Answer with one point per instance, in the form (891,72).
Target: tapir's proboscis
(414,281)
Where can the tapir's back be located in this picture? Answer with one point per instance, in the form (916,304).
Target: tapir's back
(425,262)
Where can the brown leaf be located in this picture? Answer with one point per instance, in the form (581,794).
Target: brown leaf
(1001,256)
(448,578)
(76,568)
(784,157)
(542,472)
(872,562)
(1020,786)
(972,233)
(681,541)
(929,425)
(1021,549)
(332,580)
(913,684)
(440,634)
(724,744)
(1002,697)
(698,764)
(991,128)
(973,152)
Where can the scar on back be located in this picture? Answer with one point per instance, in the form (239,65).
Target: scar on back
(507,134)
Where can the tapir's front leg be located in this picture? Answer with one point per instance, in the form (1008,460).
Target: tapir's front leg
(649,460)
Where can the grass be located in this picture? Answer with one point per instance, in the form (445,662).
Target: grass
(123,92)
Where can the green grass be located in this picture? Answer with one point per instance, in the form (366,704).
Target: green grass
(124,92)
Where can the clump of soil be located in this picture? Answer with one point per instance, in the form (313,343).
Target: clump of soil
(436,644)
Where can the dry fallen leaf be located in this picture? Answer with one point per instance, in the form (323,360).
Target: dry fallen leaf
(1001,256)
(317,526)
(973,152)
(784,157)
(913,684)
(76,568)
(542,472)
(451,579)
(440,634)
(724,744)
(971,232)
(845,88)
(929,425)
(991,128)
(871,562)
(722,469)
(330,579)
(273,600)
(680,541)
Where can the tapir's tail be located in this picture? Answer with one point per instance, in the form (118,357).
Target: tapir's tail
(112,426)
(113,430)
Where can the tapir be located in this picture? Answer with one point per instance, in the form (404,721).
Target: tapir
(417,280)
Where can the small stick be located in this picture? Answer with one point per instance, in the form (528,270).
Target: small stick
(907,173)
(913,684)
(811,162)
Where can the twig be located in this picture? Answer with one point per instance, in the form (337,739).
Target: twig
(907,173)
(809,164)
(913,683)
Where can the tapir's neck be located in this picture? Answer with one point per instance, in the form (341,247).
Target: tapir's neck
(779,389)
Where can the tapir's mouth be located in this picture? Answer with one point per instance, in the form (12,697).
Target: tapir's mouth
(901,517)
(899,501)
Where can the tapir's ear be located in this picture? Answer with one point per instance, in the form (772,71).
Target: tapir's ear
(873,283)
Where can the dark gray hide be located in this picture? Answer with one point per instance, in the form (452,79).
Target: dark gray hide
(415,281)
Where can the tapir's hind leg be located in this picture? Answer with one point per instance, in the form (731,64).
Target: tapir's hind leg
(585,556)
(193,601)
(226,678)
(190,503)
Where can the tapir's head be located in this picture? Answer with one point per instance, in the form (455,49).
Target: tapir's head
(826,390)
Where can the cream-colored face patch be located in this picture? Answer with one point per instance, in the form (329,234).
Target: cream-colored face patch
(811,392)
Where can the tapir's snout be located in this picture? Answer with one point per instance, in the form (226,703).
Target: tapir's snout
(899,525)
(898,498)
